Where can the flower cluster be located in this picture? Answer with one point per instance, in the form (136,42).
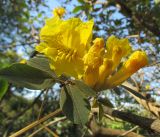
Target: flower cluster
(69,47)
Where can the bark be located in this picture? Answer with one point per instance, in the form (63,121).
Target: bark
(149,124)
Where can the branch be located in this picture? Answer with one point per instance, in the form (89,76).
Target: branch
(138,18)
(107,132)
(46,125)
(143,122)
(35,123)
(130,130)
(151,106)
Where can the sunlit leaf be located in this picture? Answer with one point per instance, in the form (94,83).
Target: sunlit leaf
(41,62)
(27,76)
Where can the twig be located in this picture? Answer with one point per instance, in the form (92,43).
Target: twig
(42,104)
(109,117)
(153,64)
(101,2)
(135,82)
(129,131)
(137,17)
(133,91)
(37,122)
(84,132)
(48,124)
(112,118)
(51,132)
(133,36)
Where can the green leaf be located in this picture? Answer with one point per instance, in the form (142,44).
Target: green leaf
(27,76)
(39,15)
(3,87)
(42,63)
(74,104)
(86,90)
(81,1)
(77,9)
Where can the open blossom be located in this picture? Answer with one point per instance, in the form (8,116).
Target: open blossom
(67,44)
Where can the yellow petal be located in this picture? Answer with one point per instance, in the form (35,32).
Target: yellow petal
(104,71)
(51,52)
(92,61)
(94,57)
(66,43)
(137,60)
(91,76)
(41,48)
(68,68)
(77,34)
(116,49)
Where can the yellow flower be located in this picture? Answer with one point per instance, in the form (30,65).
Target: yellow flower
(101,62)
(94,57)
(65,42)
(104,71)
(147,87)
(137,60)
(92,60)
(67,45)
(59,12)
(116,49)
(91,76)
